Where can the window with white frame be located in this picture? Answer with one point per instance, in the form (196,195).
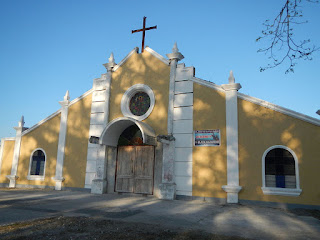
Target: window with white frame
(37,165)
(280,173)
(138,102)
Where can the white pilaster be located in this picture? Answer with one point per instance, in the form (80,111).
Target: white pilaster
(16,153)
(174,57)
(62,141)
(168,186)
(183,129)
(96,158)
(233,187)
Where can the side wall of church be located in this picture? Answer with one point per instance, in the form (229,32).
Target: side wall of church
(45,137)
(209,169)
(145,69)
(7,156)
(74,167)
(261,128)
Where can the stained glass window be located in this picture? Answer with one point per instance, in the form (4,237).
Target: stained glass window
(130,136)
(139,103)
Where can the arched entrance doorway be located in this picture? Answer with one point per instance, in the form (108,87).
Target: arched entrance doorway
(131,169)
(135,163)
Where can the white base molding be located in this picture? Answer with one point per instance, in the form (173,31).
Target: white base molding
(58,181)
(12,179)
(281,191)
(232,193)
(99,186)
(167,191)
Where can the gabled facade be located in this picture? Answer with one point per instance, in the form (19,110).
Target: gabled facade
(149,126)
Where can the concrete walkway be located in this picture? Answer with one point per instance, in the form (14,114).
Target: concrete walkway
(233,220)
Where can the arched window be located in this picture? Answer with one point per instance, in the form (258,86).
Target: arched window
(131,136)
(280,174)
(37,165)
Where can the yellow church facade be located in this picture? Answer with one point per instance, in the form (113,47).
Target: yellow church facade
(149,126)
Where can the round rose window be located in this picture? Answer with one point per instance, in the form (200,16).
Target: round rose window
(139,103)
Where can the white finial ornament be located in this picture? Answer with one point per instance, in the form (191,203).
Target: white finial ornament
(66,97)
(175,48)
(21,123)
(231,77)
(111,58)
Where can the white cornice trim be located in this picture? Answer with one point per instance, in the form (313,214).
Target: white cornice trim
(207,84)
(135,50)
(41,122)
(277,108)
(56,113)
(8,138)
(80,97)
(157,55)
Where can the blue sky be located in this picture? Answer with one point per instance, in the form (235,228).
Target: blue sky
(48,47)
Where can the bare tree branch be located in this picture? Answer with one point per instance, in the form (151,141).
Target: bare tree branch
(280,34)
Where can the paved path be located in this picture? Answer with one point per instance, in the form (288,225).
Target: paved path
(234,220)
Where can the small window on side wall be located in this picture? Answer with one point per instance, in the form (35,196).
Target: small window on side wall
(280,173)
(37,165)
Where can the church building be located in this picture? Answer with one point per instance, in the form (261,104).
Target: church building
(149,126)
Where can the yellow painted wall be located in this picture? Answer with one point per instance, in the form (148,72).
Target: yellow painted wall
(5,168)
(46,137)
(144,69)
(261,128)
(74,169)
(209,163)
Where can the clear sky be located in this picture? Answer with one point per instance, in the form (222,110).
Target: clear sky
(48,47)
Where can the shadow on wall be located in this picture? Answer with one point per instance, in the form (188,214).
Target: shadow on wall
(46,138)
(261,128)
(209,163)
(143,69)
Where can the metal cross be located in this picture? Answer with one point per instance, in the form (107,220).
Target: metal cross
(143,30)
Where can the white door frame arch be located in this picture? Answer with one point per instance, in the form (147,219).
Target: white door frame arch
(113,130)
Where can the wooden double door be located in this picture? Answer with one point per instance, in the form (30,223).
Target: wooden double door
(135,168)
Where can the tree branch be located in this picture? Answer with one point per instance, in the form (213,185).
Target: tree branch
(280,34)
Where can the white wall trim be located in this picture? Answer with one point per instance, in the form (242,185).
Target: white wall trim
(41,122)
(135,50)
(280,109)
(9,138)
(81,97)
(207,84)
(56,113)
(37,177)
(263,103)
(157,55)
(281,191)
(125,101)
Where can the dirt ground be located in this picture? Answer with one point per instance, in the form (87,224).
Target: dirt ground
(93,228)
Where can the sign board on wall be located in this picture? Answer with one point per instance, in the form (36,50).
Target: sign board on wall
(207,137)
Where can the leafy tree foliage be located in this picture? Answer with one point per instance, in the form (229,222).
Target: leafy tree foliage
(282,43)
